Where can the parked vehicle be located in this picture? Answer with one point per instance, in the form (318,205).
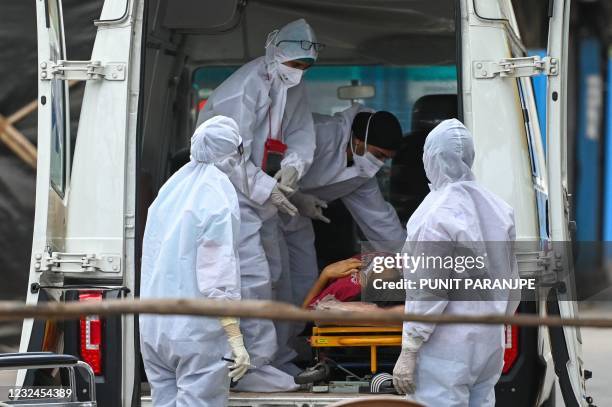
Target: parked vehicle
(152,66)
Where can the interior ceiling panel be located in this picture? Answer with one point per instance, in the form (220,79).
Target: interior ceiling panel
(355,31)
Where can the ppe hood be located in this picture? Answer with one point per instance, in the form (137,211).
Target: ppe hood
(448,154)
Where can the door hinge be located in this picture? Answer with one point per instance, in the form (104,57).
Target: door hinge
(82,70)
(77,262)
(545,267)
(516,67)
(532,263)
(537,265)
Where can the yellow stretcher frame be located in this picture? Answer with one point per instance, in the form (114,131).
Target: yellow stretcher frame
(362,336)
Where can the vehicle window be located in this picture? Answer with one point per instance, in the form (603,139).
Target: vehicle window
(58,102)
(397,89)
(536,163)
(535,168)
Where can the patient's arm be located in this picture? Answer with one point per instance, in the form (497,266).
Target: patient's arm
(330,273)
(354,306)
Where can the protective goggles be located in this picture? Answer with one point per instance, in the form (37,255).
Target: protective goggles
(305,44)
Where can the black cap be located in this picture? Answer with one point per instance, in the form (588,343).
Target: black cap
(385,130)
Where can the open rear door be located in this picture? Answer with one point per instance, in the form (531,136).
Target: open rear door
(562,300)
(496,100)
(85,201)
(53,167)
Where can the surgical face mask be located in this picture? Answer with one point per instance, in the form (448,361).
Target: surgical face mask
(367,164)
(288,75)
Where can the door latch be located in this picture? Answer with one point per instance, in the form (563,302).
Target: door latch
(82,70)
(516,67)
(77,262)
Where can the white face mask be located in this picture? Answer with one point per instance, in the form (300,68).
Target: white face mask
(289,76)
(366,164)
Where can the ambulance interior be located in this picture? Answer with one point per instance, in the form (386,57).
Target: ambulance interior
(406,51)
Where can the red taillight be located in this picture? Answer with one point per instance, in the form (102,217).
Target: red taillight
(511,352)
(91,334)
(201,104)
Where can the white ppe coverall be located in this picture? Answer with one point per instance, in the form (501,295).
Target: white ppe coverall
(329,179)
(190,251)
(265,102)
(458,365)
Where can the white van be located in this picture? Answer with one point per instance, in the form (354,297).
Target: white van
(154,63)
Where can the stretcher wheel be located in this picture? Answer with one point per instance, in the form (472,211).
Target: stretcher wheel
(382,383)
(318,373)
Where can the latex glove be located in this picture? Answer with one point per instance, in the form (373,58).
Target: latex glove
(242,361)
(403,372)
(310,206)
(278,197)
(287,177)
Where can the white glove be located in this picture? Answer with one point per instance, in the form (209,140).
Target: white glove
(310,206)
(403,372)
(287,177)
(242,361)
(278,197)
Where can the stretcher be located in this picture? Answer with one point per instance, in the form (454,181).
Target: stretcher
(339,334)
(357,336)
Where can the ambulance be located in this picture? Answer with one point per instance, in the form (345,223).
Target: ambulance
(154,63)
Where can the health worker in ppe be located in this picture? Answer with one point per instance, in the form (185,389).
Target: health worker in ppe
(351,147)
(268,101)
(190,251)
(451,364)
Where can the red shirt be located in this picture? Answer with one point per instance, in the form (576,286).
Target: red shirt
(342,290)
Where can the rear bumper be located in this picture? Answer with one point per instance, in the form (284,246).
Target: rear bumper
(297,399)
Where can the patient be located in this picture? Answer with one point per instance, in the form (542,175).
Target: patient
(346,281)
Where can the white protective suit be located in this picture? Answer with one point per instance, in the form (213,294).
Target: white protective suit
(458,365)
(190,251)
(263,105)
(329,179)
